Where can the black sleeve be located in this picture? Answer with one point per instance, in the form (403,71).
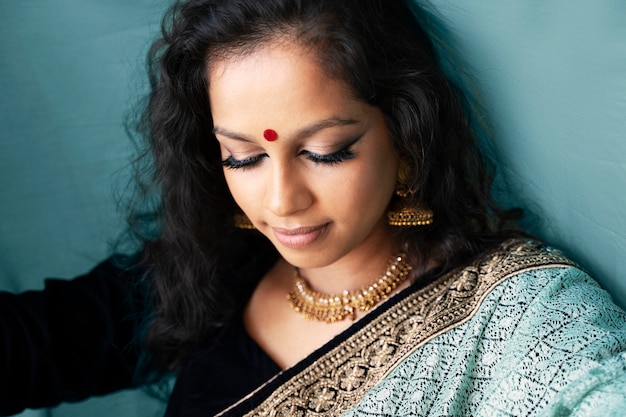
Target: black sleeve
(72,340)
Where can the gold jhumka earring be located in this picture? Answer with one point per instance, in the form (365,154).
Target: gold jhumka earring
(241,221)
(403,214)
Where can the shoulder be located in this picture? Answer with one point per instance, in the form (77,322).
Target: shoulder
(524,297)
(518,256)
(531,282)
(532,273)
(509,278)
(527,269)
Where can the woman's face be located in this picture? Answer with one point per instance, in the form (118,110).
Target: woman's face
(320,190)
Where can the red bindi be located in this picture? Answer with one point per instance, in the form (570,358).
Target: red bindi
(270,135)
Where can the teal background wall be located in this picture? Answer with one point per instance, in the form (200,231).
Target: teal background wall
(69,72)
(552,74)
(553,78)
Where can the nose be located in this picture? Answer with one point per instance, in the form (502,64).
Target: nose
(287,191)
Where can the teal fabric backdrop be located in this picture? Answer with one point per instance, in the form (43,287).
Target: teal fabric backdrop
(552,76)
(69,72)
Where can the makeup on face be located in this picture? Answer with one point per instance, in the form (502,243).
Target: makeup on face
(316,183)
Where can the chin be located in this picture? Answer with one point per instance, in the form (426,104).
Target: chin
(308,258)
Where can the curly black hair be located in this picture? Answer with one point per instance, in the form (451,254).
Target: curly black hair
(382,52)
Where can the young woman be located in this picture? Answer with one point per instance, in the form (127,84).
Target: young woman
(326,239)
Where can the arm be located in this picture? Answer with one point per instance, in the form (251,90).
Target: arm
(72,340)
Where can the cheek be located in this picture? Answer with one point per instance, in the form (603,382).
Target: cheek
(374,188)
(365,192)
(378,176)
(239,188)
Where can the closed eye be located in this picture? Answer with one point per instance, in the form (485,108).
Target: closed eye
(330,159)
(341,155)
(232,163)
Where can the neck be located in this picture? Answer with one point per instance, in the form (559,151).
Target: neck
(352,271)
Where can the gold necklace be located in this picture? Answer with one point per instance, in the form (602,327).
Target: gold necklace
(331,308)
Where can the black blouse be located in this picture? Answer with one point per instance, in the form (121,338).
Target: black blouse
(220,372)
(73,340)
(80,338)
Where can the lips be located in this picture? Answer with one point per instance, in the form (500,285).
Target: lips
(299,237)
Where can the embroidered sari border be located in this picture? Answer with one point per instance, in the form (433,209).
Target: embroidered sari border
(338,379)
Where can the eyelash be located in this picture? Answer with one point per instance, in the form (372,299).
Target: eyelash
(334,158)
(331,159)
(232,163)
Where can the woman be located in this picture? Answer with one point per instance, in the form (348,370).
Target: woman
(327,242)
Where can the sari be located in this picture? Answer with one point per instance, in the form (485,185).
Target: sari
(520,331)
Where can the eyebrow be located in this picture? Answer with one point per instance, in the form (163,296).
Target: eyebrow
(301,133)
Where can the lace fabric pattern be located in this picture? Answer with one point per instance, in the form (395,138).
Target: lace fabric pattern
(546,342)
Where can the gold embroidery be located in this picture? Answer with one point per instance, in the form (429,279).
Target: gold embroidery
(338,380)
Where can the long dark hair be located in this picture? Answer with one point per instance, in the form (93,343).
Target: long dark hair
(378,48)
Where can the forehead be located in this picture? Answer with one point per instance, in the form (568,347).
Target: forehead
(279,81)
(245,62)
(280,55)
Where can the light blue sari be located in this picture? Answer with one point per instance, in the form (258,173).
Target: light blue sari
(521,331)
